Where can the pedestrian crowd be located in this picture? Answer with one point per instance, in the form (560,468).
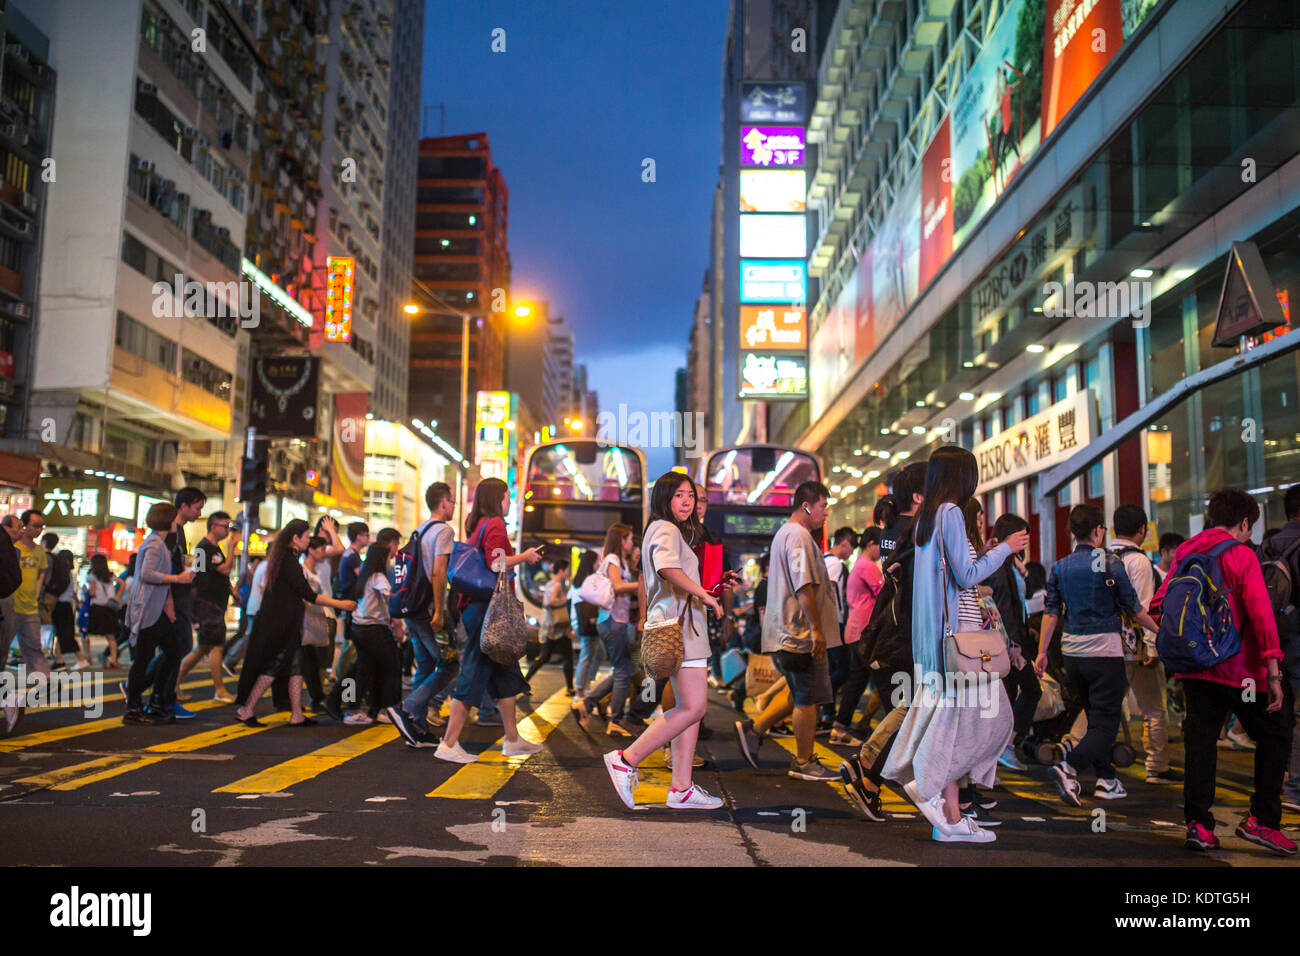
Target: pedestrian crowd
(927,646)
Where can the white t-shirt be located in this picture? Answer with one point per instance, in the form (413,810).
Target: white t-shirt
(101,592)
(258,588)
(373,606)
(435,540)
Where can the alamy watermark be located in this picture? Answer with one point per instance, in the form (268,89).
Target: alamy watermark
(1129,298)
(947,689)
(84,689)
(211,300)
(651,429)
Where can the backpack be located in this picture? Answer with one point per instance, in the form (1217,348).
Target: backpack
(58,580)
(887,638)
(1196,627)
(411,589)
(1278,580)
(597,588)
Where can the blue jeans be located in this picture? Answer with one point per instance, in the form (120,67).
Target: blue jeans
(614,636)
(432,673)
(587,662)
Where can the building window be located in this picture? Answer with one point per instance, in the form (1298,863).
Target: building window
(199,371)
(140,340)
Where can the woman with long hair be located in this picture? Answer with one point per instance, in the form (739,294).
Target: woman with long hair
(671,574)
(947,738)
(555,630)
(885,512)
(277,630)
(485,529)
(318,621)
(614,626)
(103,588)
(583,618)
(63,578)
(374,631)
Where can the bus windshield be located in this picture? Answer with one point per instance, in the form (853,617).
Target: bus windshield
(758,477)
(583,471)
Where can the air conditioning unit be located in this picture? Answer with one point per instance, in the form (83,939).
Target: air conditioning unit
(144,164)
(24,227)
(204,142)
(30,203)
(21,308)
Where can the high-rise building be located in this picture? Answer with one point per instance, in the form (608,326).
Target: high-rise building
(462,280)
(27,83)
(539,366)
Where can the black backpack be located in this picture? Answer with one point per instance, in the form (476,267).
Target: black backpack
(887,638)
(412,591)
(1279,570)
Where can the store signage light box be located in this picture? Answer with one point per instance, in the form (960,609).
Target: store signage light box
(785,281)
(773,236)
(773,376)
(771,146)
(773,327)
(339,291)
(773,103)
(773,190)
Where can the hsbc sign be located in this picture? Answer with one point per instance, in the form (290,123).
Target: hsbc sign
(1037,443)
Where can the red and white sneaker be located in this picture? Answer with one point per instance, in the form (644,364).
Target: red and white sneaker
(623,776)
(692,798)
(1201,838)
(1267,837)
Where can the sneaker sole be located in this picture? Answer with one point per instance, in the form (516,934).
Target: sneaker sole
(1260,841)
(687,806)
(813,778)
(1108,795)
(402,729)
(1069,796)
(1199,845)
(986,823)
(456,760)
(744,747)
(852,780)
(938,837)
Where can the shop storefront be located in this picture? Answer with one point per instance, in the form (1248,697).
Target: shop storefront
(1106,300)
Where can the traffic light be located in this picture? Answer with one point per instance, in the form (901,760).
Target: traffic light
(252,480)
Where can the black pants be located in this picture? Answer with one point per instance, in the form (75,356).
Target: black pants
(158,636)
(854,684)
(1025,692)
(1100,684)
(558,645)
(1208,705)
(378,663)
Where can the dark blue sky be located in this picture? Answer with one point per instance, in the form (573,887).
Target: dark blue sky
(582,94)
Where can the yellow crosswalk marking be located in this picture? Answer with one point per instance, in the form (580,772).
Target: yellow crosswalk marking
(114,765)
(286,774)
(829,758)
(40,737)
(482,779)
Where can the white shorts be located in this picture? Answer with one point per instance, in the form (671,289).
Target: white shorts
(698,662)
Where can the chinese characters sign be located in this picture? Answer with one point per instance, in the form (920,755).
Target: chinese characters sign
(339,290)
(71,502)
(765,375)
(781,146)
(773,103)
(773,327)
(494,435)
(1037,443)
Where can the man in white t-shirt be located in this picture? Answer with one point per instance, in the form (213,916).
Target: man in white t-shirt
(433,671)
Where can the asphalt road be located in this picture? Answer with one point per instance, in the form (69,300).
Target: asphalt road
(92,792)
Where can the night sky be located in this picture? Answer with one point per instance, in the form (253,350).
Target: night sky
(583,93)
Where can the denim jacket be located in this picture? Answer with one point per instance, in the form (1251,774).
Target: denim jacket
(1090,606)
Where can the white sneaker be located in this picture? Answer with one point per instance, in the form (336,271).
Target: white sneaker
(1240,740)
(931,809)
(456,754)
(696,798)
(519,748)
(964,830)
(359,717)
(1109,790)
(623,776)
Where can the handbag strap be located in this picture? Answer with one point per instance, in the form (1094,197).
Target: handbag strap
(943,569)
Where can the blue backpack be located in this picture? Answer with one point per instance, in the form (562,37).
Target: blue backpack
(1196,627)
(411,590)
(468,572)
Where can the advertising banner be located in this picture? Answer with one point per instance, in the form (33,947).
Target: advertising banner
(348,455)
(895,260)
(773,190)
(283,396)
(773,327)
(773,236)
(494,442)
(772,146)
(936,205)
(72,502)
(339,289)
(773,375)
(773,103)
(832,353)
(785,281)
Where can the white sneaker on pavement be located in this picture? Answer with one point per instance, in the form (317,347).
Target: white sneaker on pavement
(931,809)
(519,748)
(623,776)
(964,830)
(696,798)
(456,754)
(1109,790)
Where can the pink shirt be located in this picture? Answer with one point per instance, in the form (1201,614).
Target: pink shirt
(865,582)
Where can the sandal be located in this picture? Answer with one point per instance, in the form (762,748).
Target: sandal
(305,722)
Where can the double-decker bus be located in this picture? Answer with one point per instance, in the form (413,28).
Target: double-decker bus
(750,493)
(573,490)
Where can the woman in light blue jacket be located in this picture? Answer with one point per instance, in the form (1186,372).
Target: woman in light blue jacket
(949,733)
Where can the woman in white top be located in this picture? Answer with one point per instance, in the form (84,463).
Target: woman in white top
(103,612)
(375,633)
(615,628)
(672,584)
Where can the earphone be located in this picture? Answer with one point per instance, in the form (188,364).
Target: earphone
(807,510)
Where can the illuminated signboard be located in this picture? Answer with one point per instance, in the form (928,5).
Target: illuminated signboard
(773,103)
(773,376)
(775,236)
(339,289)
(494,445)
(773,281)
(773,327)
(772,145)
(772,190)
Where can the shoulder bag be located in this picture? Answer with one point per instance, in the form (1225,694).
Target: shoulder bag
(663,644)
(597,588)
(969,652)
(467,570)
(505,632)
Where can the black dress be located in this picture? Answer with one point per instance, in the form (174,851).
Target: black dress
(277,628)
